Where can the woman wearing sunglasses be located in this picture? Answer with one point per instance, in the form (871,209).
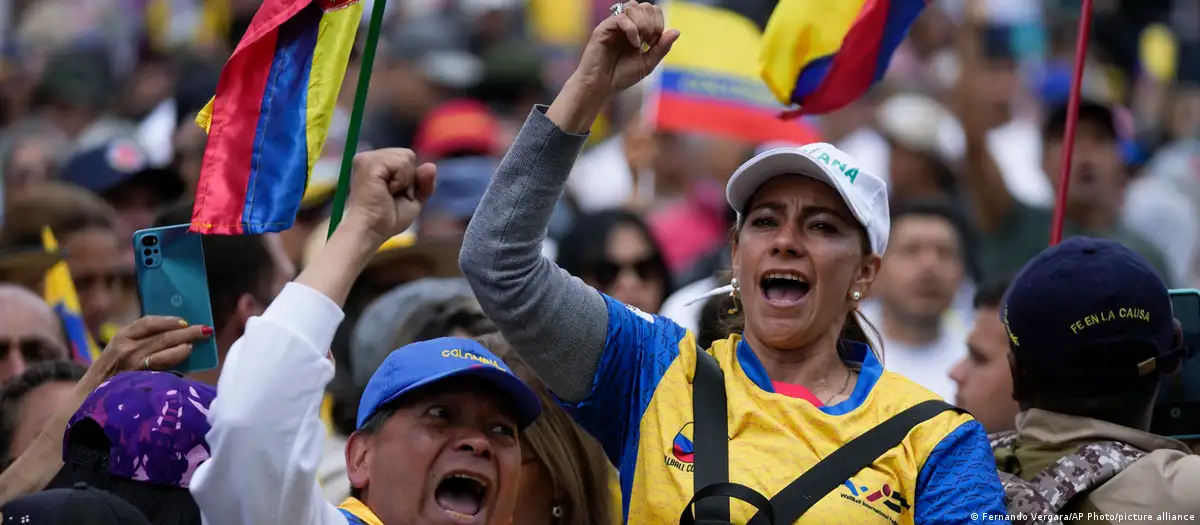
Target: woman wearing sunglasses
(792,420)
(614,253)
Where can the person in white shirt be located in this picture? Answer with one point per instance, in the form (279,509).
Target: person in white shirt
(437,438)
(922,272)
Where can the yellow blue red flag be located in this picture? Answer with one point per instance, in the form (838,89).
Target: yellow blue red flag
(710,82)
(272,110)
(821,55)
(59,293)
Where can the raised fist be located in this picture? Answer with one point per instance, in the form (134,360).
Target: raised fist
(387,191)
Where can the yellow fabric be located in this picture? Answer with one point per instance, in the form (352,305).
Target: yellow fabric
(360,511)
(774,439)
(59,290)
(335,39)
(560,22)
(214,21)
(727,55)
(799,32)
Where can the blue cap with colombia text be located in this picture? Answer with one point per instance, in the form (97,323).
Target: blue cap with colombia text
(1083,295)
(424,363)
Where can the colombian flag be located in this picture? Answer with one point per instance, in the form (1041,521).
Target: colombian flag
(60,294)
(822,54)
(710,82)
(268,120)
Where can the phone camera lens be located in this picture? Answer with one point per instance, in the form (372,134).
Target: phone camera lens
(149,241)
(147,252)
(149,261)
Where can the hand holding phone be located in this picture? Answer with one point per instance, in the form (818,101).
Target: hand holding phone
(153,343)
(172,282)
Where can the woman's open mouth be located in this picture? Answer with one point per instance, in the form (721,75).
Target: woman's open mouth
(783,289)
(462,496)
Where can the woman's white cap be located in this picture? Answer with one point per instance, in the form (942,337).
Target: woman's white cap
(864,193)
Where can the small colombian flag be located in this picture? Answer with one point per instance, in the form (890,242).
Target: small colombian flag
(60,294)
(272,111)
(821,55)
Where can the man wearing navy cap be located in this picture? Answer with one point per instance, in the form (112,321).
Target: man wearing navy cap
(1091,334)
(438,423)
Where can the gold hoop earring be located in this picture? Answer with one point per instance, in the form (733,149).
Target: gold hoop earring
(733,296)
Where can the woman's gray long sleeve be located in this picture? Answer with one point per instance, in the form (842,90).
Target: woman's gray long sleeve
(556,322)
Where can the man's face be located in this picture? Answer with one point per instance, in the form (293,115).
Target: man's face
(29,332)
(451,456)
(983,376)
(922,268)
(1097,171)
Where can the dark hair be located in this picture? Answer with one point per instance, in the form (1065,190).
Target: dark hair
(711,324)
(64,207)
(235,264)
(1126,402)
(990,294)
(1089,111)
(17,388)
(584,246)
(579,470)
(87,461)
(944,209)
(460,314)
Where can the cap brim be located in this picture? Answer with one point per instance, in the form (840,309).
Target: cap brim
(525,402)
(26,265)
(746,181)
(441,255)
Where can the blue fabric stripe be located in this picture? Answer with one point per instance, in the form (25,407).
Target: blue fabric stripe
(868,375)
(351,518)
(958,482)
(810,78)
(279,163)
(901,14)
(639,350)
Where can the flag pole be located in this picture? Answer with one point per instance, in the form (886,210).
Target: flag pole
(1064,174)
(360,102)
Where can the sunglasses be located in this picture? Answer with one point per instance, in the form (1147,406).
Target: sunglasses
(32,349)
(607,271)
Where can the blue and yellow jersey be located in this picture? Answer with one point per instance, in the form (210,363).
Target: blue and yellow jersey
(357,513)
(640,409)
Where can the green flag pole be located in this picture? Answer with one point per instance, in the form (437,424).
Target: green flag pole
(360,102)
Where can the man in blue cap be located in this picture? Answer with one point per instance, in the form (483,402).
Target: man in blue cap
(1091,334)
(438,423)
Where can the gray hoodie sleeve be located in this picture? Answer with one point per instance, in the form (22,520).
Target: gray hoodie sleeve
(554,321)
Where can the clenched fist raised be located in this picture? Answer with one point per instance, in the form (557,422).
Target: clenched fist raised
(387,191)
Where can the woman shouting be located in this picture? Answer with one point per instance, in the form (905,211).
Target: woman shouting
(794,419)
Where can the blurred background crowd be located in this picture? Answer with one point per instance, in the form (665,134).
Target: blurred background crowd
(97,140)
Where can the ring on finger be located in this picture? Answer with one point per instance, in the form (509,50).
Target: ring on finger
(146,363)
(617,9)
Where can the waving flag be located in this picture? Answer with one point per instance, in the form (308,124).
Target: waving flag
(710,81)
(268,120)
(60,294)
(821,55)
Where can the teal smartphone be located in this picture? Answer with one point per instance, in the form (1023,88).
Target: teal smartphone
(171,280)
(1177,409)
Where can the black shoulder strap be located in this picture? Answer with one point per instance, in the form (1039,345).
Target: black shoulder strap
(796,498)
(710,441)
(710,436)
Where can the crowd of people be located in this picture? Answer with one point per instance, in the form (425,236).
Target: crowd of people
(539,308)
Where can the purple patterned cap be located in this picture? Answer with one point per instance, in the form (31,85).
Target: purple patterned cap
(155,422)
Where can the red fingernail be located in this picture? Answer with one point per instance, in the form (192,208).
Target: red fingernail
(207,331)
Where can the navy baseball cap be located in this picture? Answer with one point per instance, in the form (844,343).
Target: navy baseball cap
(110,166)
(1084,308)
(77,505)
(424,363)
(461,183)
